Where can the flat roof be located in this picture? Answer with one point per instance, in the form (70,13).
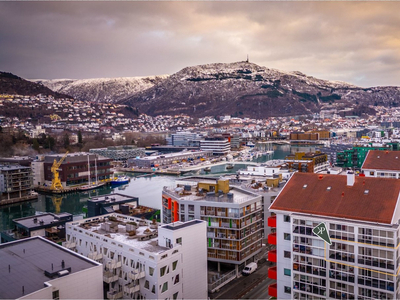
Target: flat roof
(172,155)
(113,198)
(23,264)
(180,225)
(42,220)
(12,167)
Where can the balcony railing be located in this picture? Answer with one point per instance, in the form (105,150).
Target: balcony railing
(272,256)
(109,277)
(131,288)
(273,290)
(114,294)
(376,263)
(95,256)
(136,274)
(70,245)
(272,273)
(272,238)
(272,221)
(113,264)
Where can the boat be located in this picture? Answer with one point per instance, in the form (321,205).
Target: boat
(207,169)
(229,166)
(90,186)
(120,180)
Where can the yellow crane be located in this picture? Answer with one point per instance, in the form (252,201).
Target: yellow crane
(55,182)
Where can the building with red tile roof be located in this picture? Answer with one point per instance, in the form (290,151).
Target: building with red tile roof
(382,163)
(361,216)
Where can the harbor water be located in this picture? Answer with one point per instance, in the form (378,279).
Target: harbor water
(147,188)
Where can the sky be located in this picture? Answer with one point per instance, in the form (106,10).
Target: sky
(355,42)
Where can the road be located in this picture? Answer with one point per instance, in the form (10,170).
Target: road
(245,286)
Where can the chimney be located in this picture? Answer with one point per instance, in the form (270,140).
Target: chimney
(351,178)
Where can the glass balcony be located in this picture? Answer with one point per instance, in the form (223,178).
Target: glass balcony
(273,290)
(136,274)
(272,221)
(272,256)
(272,238)
(131,288)
(272,273)
(113,294)
(109,277)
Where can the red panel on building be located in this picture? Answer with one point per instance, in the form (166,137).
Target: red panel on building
(273,290)
(272,238)
(272,221)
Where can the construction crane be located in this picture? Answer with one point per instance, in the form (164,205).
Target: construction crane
(55,117)
(55,182)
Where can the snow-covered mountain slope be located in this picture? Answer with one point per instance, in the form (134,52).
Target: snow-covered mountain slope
(246,89)
(101,89)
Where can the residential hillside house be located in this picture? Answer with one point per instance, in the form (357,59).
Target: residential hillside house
(362,218)
(379,163)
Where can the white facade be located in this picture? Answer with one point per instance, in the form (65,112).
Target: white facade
(217,146)
(360,264)
(38,172)
(138,264)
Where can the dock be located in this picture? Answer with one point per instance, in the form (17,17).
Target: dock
(17,200)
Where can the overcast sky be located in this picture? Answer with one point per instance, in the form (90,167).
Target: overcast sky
(356,42)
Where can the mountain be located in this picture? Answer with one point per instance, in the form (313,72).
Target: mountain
(14,85)
(248,90)
(101,89)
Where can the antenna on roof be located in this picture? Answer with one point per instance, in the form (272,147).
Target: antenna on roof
(247,60)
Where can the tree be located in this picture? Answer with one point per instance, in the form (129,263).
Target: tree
(35,145)
(66,140)
(51,142)
(80,137)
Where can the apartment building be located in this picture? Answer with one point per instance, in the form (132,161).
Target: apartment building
(15,182)
(143,260)
(382,163)
(362,217)
(35,268)
(234,216)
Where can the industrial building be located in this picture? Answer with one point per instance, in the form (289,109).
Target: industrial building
(361,216)
(35,268)
(119,153)
(167,159)
(75,169)
(234,217)
(217,145)
(142,260)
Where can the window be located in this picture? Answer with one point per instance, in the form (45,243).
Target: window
(151,271)
(147,285)
(288,290)
(56,294)
(179,240)
(164,287)
(287,272)
(175,296)
(176,279)
(174,264)
(286,254)
(286,218)
(286,236)
(153,289)
(162,271)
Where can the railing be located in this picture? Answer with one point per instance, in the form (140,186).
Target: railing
(113,294)
(136,274)
(113,264)
(109,277)
(70,245)
(95,255)
(212,287)
(131,288)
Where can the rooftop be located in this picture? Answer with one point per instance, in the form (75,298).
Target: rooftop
(180,225)
(23,264)
(121,228)
(369,199)
(43,220)
(112,198)
(382,160)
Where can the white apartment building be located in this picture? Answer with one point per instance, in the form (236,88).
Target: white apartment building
(218,145)
(143,260)
(233,215)
(362,217)
(35,268)
(382,163)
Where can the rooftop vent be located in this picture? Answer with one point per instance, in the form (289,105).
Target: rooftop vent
(366,192)
(328,188)
(304,186)
(378,156)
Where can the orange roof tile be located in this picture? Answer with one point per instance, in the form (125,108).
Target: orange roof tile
(382,160)
(309,193)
